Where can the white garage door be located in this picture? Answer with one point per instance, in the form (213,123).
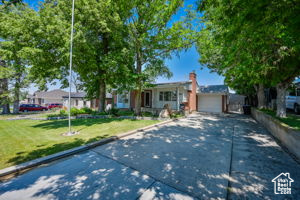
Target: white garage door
(210,103)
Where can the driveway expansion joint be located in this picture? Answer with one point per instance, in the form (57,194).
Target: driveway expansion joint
(230,165)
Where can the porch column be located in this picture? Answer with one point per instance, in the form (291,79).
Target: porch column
(177,92)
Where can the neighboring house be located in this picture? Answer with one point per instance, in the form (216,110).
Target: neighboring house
(79,100)
(44,98)
(187,94)
(236,102)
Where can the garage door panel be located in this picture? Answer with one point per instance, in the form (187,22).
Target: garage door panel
(210,103)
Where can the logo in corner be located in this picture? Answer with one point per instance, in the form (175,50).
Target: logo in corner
(282,184)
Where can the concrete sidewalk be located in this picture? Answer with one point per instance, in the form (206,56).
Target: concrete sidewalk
(200,157)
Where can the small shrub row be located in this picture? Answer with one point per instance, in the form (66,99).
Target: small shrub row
(177,114)
(113,112)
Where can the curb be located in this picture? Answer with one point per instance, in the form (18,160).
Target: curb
(12,171)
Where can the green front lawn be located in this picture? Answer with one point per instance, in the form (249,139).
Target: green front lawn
(291,120)
(24,140)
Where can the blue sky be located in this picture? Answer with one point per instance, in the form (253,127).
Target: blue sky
(180,66)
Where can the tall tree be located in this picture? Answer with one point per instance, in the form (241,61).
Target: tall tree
(154,38)
(15,37)
(101,53)
(4,93)
(256,39)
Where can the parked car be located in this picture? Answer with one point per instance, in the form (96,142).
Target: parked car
(32,107)
(293,101)
(55,105)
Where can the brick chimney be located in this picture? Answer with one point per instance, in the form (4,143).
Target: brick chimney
(193,92)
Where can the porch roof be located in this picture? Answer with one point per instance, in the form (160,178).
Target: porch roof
(172,84)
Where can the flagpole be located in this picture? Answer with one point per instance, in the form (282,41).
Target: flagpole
(70,67)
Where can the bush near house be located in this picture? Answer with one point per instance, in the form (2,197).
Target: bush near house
(176,115)
(125,113)
(113,112)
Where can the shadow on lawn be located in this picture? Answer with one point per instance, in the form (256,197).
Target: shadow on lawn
(22,157)
(76,122)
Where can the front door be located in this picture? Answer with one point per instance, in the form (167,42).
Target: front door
(147,96)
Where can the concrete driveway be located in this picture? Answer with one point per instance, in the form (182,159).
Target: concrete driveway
(200,157)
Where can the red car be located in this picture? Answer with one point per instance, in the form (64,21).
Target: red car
(55,105)
(32,107)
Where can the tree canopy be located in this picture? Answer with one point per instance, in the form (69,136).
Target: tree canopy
(117,44)
(252,43)
(154,37)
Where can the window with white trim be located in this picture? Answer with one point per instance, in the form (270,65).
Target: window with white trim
(168,96)
(123,98)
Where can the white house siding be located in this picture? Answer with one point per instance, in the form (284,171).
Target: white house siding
(156,103)
(48,101)
(73,103)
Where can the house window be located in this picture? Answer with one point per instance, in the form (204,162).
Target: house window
(168,96)
(84,103)
(123,98)
(174,96)
(161,96)
(76,102)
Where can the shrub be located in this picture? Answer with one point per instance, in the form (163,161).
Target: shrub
(177,115)
(125,113)
(147,114)
(62,112)
(75,111)
(86,110)
(113,111)
(100,113)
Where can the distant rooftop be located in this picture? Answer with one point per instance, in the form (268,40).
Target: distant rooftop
(214,89)
(83,95)
(76,95)
(52,94)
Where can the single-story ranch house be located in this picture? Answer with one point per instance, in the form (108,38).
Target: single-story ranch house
(187,95)
(46,97)
(184,95)
(79,100)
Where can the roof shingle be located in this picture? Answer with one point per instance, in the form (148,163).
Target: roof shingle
(213,89)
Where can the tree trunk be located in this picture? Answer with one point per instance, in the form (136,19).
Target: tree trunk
(138,102)
(102,86)
(261,96)
(102,96)
(4,102)
(5,109)
(281,93)
(17,95)
(138,110)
